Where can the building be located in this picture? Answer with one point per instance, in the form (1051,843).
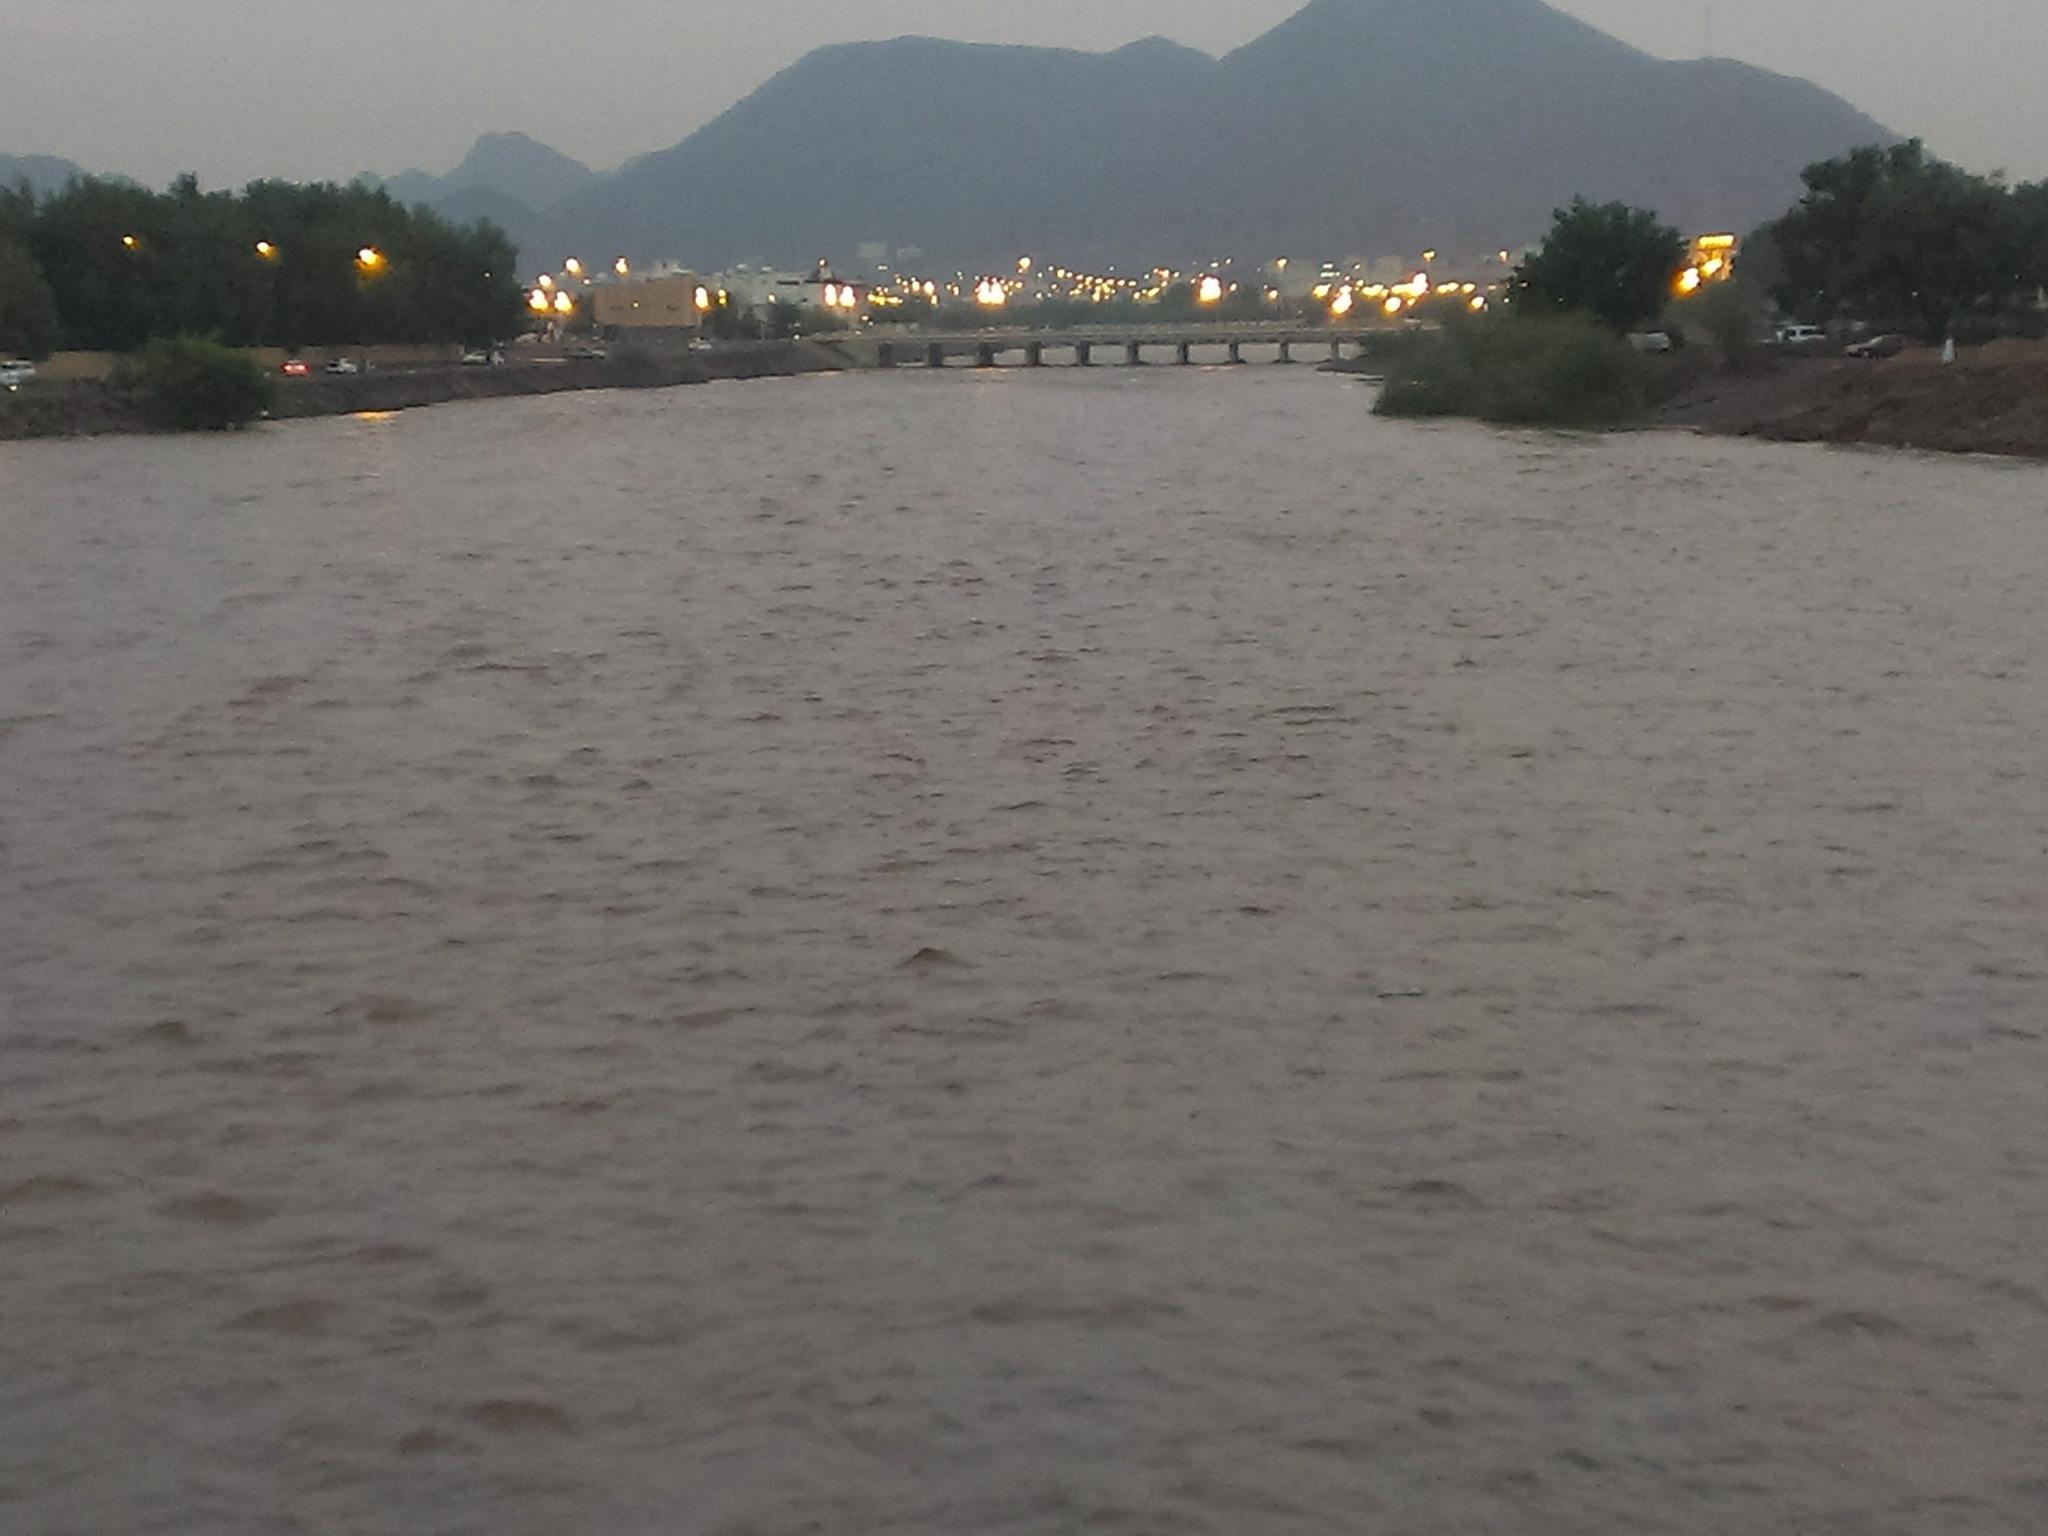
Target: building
(673,301)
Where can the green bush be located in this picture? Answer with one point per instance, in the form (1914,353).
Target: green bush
(1518,370)
(193,384)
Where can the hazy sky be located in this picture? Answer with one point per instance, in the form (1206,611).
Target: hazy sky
(237,88)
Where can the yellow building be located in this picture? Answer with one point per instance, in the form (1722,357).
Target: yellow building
(669,303)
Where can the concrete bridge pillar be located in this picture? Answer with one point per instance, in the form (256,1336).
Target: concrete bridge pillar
(885,355)
(1336,349)
(1286,352)
(1034,355)
(1084,355)
(1184,353)
(1133,354)
(1237,352)
(985,355)
(935,355)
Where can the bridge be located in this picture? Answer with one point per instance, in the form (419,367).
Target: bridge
(884,348)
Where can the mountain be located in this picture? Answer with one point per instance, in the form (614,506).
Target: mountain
(506,177)
(1357,127)
(519,167)
(43,173)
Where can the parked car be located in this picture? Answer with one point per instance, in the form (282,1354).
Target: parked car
(482,358)
(344,365)
(14,374)
(1800,335)
(1651,341)
(1878,346)
(585,352)
(699,344)
(295,368)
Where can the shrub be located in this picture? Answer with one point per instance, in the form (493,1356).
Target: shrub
(1561,371)
(194,384)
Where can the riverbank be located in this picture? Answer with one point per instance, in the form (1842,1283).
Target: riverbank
(1992,399)
(92,410)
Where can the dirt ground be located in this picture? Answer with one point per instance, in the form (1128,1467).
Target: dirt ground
(1993,399)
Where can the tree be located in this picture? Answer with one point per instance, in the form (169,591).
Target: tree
(278,264)
(194,384)
(28,311)
(1732,315)
(1610,261)
(1900,238)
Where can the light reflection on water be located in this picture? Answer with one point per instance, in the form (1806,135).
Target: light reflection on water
(1132,951)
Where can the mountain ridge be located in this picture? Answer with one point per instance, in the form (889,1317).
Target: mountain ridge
(1353,127)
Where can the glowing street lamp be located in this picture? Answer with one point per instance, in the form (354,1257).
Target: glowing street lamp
(990,294)
(546,283)
(265,251)
(564,304)
(130,243)
(537,301)
(1340,306)
(573,267)
(370,259)
(703,297)
(623,267)
(1209,290)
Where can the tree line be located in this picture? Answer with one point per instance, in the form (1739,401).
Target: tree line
(108,266)
(1887,235)
(1910,243)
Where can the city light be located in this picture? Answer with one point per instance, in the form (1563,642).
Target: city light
(573,267)
(703,297)
(623,267)
(546,282)
(265,251)
(537,301)
(1340,306)
(370,259)
(1023,266)
(1209,291)
(564,305)
(130,243)
(989,293)
(1393,306)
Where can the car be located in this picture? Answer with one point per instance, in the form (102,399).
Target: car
(295,368)
(1877,347)
(585,352)
(14,374)
(343,365)
(1651,341)
(482,358)
(699,344)
(1800,335)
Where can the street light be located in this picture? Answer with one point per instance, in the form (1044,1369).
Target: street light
(265,251)
(623,267)
(130,243)
(573,267)
(370,259)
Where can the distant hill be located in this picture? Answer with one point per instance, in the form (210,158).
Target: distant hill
(1356,127)
(506,177)
(43,173)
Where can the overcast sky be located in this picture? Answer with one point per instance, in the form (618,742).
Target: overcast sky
(238,88)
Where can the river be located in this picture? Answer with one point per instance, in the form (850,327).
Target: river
(1135,952)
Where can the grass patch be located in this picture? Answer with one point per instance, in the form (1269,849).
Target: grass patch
(1538,371)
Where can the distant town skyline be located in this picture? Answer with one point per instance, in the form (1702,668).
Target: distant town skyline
(309,90)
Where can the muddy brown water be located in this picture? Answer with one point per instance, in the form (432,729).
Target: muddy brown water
(1131,952)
